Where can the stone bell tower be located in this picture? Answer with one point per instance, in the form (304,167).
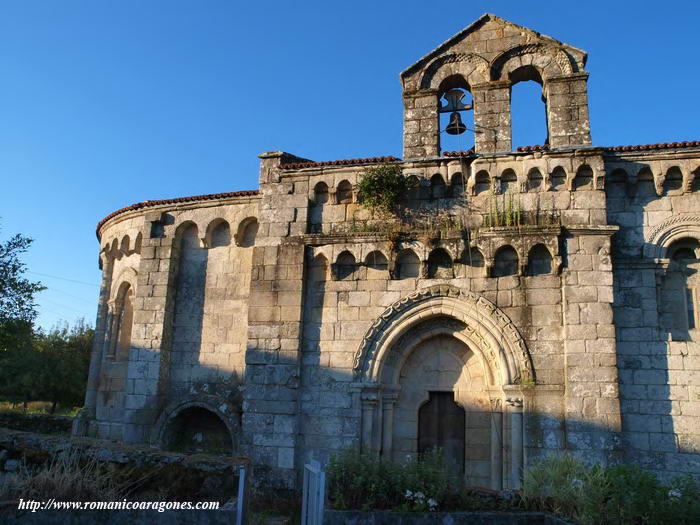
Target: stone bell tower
(486,59)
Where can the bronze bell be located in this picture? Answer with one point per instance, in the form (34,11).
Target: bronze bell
(455,127)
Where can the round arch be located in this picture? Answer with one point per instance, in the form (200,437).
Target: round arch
(487,330)
(226,411)
(662,236)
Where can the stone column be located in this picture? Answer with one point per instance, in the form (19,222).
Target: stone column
(271,422)
(369,406)
(516,441)
(496,445)
(592,395)
(421,124)
(154,307)
(388,402)
(567,110)
(82,422)
(492,117)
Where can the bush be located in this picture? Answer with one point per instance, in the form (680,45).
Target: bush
(382,187)
(364,481)
(619,494)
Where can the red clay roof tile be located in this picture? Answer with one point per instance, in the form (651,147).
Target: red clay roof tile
(148,204)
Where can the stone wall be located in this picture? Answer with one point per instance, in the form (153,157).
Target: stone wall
(307,324)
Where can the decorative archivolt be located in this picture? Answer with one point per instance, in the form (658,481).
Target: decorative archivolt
(549,61)
(474,69)
(489,330)
(127,275)
(659,238)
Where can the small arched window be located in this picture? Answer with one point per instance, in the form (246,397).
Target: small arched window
(584,178)
(539,261)
(473,262)
(440,265)
(376,264)
(673,180)
(122,323)
(505,262)
(344,192)
(680,291)
(534,180)
(407,265)
(437,187)
(345,266)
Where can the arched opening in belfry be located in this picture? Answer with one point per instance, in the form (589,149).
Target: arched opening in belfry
(456,115)
(198,430)
(528,108)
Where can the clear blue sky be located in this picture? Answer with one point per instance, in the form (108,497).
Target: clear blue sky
(104,103)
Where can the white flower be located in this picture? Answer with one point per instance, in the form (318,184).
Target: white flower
(432,504)
(674,493)
(408,494)
(419,495)
(576,483)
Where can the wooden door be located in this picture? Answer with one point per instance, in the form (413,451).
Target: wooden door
(441,424)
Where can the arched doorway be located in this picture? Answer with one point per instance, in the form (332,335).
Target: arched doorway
(442,400)
(443,366)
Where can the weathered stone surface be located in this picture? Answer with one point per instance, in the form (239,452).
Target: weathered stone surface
(305,324)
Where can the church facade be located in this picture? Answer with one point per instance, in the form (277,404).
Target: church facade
(540,299)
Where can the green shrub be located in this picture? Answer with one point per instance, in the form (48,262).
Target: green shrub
(364,481)
(382,187)
(623,494)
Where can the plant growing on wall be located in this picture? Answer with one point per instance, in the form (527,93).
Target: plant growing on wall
(382,187)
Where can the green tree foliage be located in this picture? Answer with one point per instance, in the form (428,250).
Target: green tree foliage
(16,292)
(52,368)
(382,187)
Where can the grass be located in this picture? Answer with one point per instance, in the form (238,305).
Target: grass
(38,407)
(68,477)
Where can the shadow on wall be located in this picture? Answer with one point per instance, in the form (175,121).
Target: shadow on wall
(655,314)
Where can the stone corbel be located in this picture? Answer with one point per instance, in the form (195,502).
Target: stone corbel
(556,265)
(570,180)
(659,179)
(470,187)
(688,179)
(599,180)
(514,402)
(631,186)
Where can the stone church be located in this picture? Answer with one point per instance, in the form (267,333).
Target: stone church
(530,300)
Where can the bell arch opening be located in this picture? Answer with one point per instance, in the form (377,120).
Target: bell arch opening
(456,121)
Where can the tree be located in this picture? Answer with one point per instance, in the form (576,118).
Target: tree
(17,313)
(61,367)
(16,292)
